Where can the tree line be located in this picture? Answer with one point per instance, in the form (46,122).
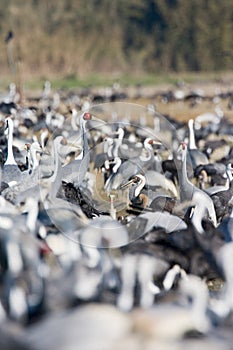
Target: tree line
(84,36)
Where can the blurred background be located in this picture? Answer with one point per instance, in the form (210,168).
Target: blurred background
(138,40)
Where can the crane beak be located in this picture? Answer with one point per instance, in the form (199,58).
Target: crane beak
(127,184)
(39,149)
(179,149)
(44,151)
(157,143)
(73,145)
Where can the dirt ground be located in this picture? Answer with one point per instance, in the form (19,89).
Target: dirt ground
(212,95)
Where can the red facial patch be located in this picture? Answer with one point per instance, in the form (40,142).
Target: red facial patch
(87,116)
(44,248)
(183,144)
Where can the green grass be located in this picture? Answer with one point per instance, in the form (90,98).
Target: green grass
(98,80)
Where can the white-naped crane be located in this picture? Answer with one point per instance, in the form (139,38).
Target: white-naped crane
(197,157)
(131,167)
(187,188)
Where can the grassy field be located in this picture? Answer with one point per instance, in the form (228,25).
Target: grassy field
(98,80)
(141,88)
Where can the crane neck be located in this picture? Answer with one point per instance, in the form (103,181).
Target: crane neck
(35,162)
(112,210)
(32,214)
(229,173)
(192,142)
(198,215)
(10,156)
(84,137)
(120,133)
(195,288)
(117,161)
(56,177)
(117,142)
(85,150)
(73,119)
(140,186)
(186,187)
(43,137)
(182,170)
(149,149)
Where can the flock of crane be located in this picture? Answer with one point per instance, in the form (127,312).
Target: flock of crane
(114,224)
